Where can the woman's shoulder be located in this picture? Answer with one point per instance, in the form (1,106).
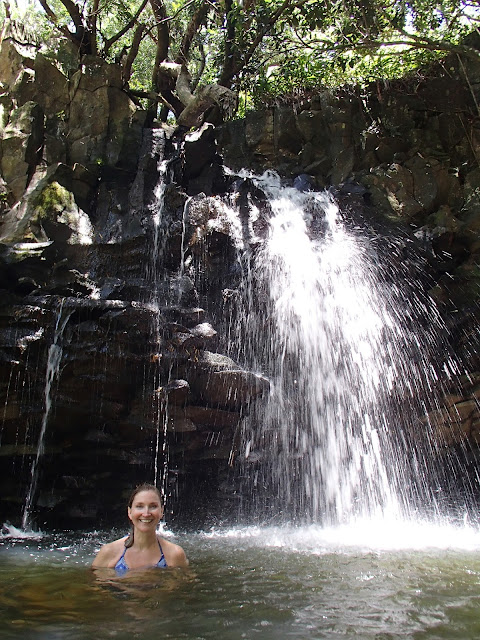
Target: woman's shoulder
(115,544)
(174,554)
(109,553)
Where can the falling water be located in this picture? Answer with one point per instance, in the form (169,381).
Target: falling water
(54,358)
(322,320)
(157,208)
(160,227)
(183,249)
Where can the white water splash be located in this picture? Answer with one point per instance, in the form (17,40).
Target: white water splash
(362,535)
(8,532)
(318,319)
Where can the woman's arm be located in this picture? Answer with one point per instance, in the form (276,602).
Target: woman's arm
(180,559)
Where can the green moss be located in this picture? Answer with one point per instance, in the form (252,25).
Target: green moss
(52,201)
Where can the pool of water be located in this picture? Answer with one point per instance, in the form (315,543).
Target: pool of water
(363,581)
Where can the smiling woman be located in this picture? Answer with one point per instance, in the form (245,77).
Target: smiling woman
(143,548)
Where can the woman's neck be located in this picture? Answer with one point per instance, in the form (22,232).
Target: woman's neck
(143,540)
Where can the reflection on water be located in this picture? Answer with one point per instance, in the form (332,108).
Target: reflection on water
(271,583)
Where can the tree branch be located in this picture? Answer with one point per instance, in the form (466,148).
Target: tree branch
(410,40)
(228,74)
(153,96)
(132,52)
(52,16)
(198,19)
(182,79)
(205,98)
(92,26)
(75,15)
(6,5)
(203,62)
(130,24)
(196,104)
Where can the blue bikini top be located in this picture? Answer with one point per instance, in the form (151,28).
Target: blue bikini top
(121,567)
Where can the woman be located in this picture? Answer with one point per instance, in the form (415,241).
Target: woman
(142,548)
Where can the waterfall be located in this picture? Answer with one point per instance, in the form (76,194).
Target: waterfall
(54,358)
(321,316)
(157,250)
(160,294)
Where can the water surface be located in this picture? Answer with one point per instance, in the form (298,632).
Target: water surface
(420,582)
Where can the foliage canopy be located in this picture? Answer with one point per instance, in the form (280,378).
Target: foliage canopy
(260,49)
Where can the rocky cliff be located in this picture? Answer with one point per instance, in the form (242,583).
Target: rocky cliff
(110,351)
(109,364)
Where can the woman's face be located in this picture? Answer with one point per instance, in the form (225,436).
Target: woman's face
(146,510)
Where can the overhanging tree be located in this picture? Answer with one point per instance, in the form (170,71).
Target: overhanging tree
(200,53)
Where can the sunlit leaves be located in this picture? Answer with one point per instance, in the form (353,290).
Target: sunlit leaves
(345,41)
(273,48)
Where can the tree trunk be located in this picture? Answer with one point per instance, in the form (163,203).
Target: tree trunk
(196,22)
(229,60)
(92,27)
(163,45)
(132,53)
(196,104)
(163,38)
(206,97)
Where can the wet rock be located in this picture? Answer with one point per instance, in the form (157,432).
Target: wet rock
(304,182)
(176,391)
(181,424)
(184,315)
(457,423)
(199,151)
(223,384)
(210,419)
(204,334)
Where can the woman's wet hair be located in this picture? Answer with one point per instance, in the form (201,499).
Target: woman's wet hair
(144,487)
(141,487)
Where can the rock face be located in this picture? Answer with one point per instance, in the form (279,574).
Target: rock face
(118,265)
(102,336)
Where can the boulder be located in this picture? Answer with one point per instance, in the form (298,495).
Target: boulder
(176,391)
(46,211)
(105,127)
(51,86)
(15,60)
(231,389)
(21,145)
(208,419)
(219,382)
(259,135)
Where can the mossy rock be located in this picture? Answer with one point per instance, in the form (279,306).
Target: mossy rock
(52,202)
(56,216)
